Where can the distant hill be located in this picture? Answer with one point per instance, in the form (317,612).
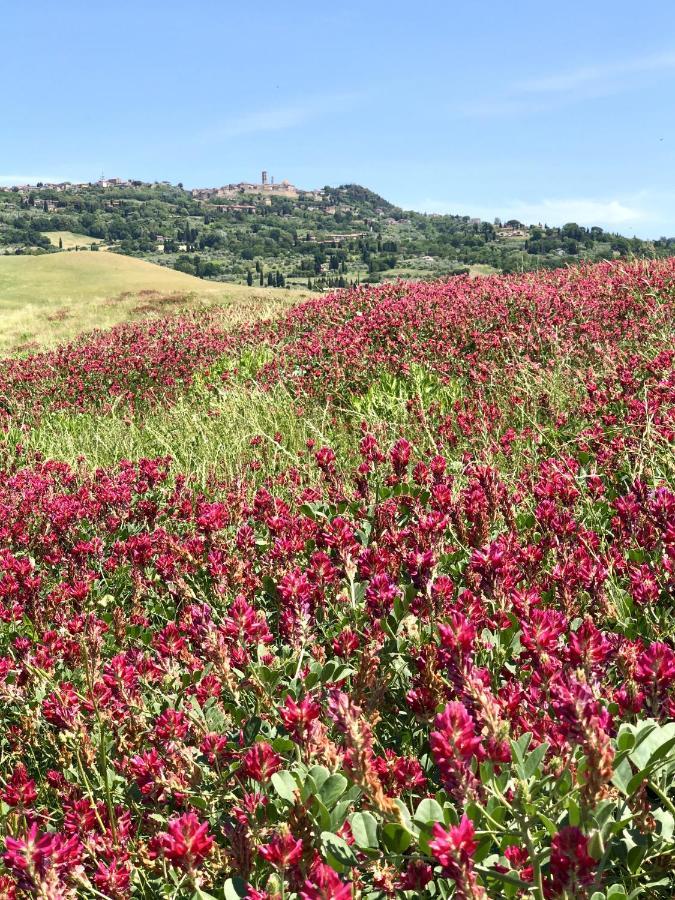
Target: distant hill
(276,235)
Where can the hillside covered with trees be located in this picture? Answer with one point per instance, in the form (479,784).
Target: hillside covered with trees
(322,239)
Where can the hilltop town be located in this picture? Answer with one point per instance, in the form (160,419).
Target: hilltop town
(267,185)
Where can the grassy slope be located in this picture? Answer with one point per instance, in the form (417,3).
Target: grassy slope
(45,300)
(69,239)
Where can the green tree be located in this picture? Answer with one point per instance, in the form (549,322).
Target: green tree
(249,278)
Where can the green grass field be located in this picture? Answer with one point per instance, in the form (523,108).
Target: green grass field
(45,300)
(70,240)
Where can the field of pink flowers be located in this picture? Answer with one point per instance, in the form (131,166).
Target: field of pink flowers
(436,659)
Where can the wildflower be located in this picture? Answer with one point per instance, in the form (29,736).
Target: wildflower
(20,790)
(186,842)
(113,879)
(359,758)
(400,456)
(260,762)
(283,851)
(415,876)
(571,865)
(61,708)
(454,743)
(42,858)
(454,849)
(298,717)
(324,883)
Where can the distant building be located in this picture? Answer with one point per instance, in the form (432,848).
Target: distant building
(506,232)
(112,182)
(340,238)
(267,185)
(234,207)
(203,193)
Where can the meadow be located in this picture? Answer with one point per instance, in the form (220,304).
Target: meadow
(371,599)
(46,300)
(69,240)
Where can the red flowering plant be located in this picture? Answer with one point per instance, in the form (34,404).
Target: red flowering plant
(437,663)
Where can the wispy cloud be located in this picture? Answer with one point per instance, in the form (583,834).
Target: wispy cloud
(552,90)
(604,75)
(260,121)
(282,117)
(609,213)
(502,106)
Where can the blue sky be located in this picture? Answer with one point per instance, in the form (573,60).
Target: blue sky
(546,112)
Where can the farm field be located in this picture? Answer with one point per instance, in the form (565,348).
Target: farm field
(70,240)
(47,299)
(373,598)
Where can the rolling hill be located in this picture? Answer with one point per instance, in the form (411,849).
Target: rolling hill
(47,299)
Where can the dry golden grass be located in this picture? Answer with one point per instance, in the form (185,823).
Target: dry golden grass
(70,239)
(46,300)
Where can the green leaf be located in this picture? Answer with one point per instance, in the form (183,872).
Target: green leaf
(332,789)
(504,877)
(645,742)
(396,838)
(285,785)
(643,890)
(667,823)
(404,815)
(252,729)
(664,748)
(622,775)
(520,746)
(319,774)
(235,888)
(338,814)
(625,738)
(337,851)
(428,811)
(549,824)
(596,845)
(364,829)
(534,759)
(616,892)
(321,814)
